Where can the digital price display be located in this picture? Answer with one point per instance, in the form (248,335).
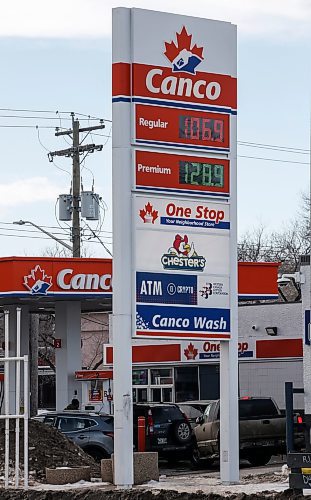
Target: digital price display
(173,127)
(181,174)
(201,174)
(203,129)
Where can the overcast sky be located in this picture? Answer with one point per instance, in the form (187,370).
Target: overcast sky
(56,56)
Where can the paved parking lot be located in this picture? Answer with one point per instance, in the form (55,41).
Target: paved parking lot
(185,467)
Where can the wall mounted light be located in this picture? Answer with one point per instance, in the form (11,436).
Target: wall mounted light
(272,330)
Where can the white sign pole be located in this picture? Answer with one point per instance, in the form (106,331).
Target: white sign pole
(229,416)
(122,265)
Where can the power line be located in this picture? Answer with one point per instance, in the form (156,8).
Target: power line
(33,110)
(49,227)
(46,238)
(27,126)
(273,159)
(87,235)
(281,148)
(53,112)
(29,237)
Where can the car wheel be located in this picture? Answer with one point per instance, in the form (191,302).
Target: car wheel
(182,432)
(195,456)
(259,457)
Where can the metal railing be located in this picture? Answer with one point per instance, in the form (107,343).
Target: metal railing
(18,359)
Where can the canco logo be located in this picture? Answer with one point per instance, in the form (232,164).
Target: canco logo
(184,58)
(182,255)
(37,281)
(67,279)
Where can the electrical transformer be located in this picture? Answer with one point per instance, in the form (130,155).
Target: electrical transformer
(65,206)
(90,205)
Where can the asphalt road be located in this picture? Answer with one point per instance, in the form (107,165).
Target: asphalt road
(184,467)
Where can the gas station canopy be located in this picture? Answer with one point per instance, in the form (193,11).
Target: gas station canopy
(40,282)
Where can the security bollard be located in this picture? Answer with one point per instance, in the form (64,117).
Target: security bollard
(141,434)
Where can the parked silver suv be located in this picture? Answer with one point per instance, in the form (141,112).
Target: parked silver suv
(91,431)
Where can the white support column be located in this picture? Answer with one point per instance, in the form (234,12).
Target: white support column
(68,357)
(229,374)
(25,329)
(229,429)
(12,350)
(122,265)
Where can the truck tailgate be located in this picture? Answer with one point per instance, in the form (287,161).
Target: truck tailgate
(268,429)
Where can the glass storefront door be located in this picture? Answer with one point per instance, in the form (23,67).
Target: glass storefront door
(186,383)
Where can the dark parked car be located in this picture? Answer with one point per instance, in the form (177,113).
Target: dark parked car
(92,432)
(167,430)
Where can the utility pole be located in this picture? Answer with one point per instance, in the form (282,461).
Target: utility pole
(74,152)
(75,190)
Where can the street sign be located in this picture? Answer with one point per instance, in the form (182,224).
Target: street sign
(297,460)
(300,481)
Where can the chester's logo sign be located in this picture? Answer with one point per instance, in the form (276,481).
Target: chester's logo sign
(182,255)
(182,56)
(37,282)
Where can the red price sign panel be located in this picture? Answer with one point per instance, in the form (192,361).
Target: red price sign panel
(165,172)
(181,127)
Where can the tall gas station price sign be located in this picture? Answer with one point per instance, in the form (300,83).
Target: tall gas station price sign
(174,194)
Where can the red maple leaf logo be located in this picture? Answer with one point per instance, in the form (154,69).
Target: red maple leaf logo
(148,215)
(191,352)
(183,42)
(37,281)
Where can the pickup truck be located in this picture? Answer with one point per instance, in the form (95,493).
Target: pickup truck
(262,432)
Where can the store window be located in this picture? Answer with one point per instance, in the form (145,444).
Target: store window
(162,376)
(161,394)
(140,395)
(156,395)
(140,377)
(167,395)
(186,383)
